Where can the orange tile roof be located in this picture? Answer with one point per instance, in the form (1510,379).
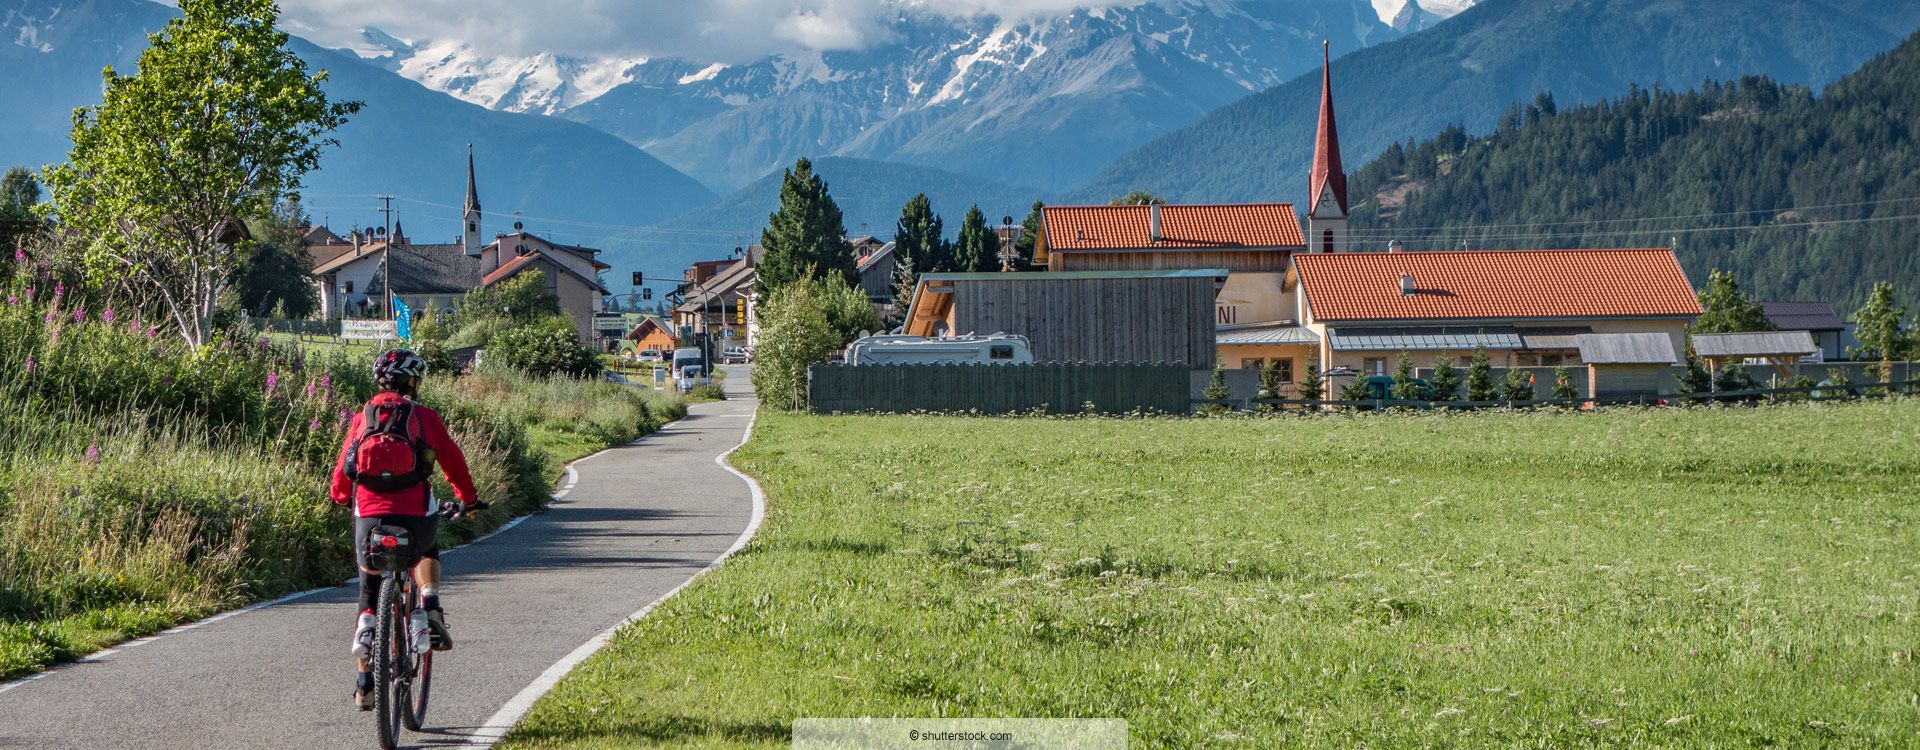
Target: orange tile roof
(1496,284)
(1071,228)
(506,269)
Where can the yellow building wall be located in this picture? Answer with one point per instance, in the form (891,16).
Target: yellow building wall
(1253,298)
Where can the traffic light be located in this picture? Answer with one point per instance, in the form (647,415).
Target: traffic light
(740,311)
(646,293)
(639,279)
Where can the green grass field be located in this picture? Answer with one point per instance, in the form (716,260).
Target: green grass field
(1674,578)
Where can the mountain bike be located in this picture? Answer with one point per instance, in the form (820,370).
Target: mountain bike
(402,673)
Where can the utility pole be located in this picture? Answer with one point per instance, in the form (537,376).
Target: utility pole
(386,262)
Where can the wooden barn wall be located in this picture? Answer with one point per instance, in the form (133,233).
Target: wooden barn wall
(1096,320)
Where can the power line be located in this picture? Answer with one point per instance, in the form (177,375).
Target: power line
(1390,231)
(1467,233)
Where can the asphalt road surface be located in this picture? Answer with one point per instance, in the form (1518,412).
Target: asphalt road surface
(639,522)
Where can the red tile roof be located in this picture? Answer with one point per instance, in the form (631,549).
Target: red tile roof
(506,269)
(1496,284)
(1071,228)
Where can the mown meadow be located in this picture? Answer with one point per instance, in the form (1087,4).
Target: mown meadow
(144,483)
(1706,577)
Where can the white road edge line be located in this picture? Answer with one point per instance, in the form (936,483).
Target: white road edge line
(496,727)
(573,478)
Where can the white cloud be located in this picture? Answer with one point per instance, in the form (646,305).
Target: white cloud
(700,30)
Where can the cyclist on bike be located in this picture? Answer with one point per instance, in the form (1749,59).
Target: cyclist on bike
(384,470)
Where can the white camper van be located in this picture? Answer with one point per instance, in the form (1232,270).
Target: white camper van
(995,349)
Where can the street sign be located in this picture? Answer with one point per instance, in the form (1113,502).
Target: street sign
(611,322)
(369,330)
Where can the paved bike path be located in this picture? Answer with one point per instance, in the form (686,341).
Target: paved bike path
(640,521)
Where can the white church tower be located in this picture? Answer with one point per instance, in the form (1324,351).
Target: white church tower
(470,239)
(1327,206)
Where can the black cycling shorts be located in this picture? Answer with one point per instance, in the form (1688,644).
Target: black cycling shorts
(423,531)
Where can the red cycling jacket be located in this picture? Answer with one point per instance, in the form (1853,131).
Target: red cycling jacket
(411,501)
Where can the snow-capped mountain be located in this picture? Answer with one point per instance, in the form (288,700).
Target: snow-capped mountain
(1044,101)
(1414,15)
(544,84)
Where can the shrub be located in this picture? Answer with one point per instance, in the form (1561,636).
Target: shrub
(1217,390)
(794,334)
(1445,383)
(1480,377)
(1270,385)
(1404,388)
(1695,379)
(544,350)
(1563,388)
(1518,386)
(1313,386)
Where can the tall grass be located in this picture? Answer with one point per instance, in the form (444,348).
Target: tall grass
(143,484)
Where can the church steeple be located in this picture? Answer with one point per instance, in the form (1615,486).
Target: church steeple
(471,237)
(1327,185)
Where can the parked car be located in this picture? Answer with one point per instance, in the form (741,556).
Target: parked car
(688,357)
(652,355)
(614,377)
(1381,387)
(691,377)
(995,349)
(735,355)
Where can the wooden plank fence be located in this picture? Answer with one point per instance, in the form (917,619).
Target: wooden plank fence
(1050,387)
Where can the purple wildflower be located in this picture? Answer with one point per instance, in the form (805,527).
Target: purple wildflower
(19,254)
(314,425)
(264,343)
(80,315)
(29,294)
(166,380)
(93,455)
(30,364)
(326,382)
(107,315)
(59,290)
(273,381)
(152,332)
(13,300)
(310,390)
(52,315)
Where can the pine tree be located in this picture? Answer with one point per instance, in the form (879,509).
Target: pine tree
(1695,379)
(1216,390)
(1726,309)
(1445,383)
(919,235)
(1404,387)
(1312,386)
(976,247)
(19,191)
(1270,385)
(806,237)
(1480,377)
(1518,386)
(1029,237)
(1563,388)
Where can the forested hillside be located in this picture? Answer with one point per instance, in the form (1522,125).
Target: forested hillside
(1468,69)
(1802,197)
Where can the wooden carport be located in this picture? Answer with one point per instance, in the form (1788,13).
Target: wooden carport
(1780,349)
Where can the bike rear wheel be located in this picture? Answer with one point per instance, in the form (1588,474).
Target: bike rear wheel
(389,653)
(414,710)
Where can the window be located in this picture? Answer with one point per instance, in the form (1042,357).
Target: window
(1466,361)
(1252,364)
(1285,366)
(1000,351)
(346,288)
(1375,366)
(1326,241)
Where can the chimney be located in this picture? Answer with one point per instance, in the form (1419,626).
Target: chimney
(1406,285)
(1394,247)
(1153,223)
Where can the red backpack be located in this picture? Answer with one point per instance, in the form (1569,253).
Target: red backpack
(389,455)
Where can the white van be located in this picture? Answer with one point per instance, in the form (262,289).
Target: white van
(995,349)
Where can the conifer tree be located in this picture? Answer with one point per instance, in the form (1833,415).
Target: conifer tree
(1878,327)
(1313,387)
(1445,383)
(1480,377)
(1518,386)
(806,237)
(919,235)
(1695,379)
(1563,388)
(1404,388)
(976,247)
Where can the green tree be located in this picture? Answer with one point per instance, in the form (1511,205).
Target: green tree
(1270,384)
(1695,378)
(919,236)
(543,350)
(976,249)
(1313,386)
(806,237)
(19,193)
(1445,383)
(794,334)
(1733,377)
(1517,386)
(1563,388)
(273,276)
(1726,309)
(1217,390)
(1137,198)
(1405,388)
(1878,326)
(848,309)
(1480,377)
(220,122)
(1030,231)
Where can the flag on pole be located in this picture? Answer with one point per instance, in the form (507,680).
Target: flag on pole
(403,317)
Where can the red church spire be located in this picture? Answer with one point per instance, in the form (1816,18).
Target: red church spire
(1326,145)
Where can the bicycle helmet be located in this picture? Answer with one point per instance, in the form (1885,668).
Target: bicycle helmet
(399,363)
